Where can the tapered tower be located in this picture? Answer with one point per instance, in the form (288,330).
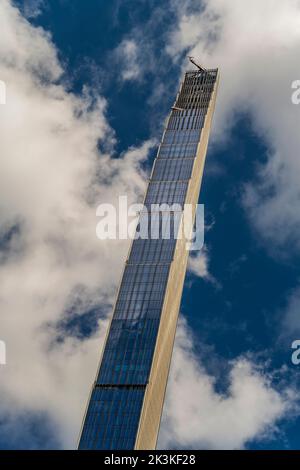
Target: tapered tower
(126,401)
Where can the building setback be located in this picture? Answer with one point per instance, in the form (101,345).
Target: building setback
(126,401)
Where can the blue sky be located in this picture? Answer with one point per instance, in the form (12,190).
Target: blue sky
(131,55)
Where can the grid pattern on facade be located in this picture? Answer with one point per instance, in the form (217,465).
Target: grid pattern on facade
(113,414)
(167,192)
(129,350)
(172,169)
(120,407)
(175,150)
(142,292)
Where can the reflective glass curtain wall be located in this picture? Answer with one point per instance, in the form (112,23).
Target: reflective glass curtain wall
(117,399)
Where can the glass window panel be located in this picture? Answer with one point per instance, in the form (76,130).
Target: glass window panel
(166,193)
(174,169)
(112,418)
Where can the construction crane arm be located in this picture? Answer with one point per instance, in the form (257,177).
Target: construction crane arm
(196,64)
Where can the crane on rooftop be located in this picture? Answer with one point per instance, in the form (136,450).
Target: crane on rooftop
(196,64)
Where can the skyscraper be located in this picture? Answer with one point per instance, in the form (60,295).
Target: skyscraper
(126,401)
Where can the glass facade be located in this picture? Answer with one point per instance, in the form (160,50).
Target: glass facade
(114,410)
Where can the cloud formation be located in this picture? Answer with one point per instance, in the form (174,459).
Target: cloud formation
(32,8)
(255,46)
(52,267)
(198,264)
(127,55)
(196,416)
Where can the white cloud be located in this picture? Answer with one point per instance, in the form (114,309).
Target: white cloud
(52,179)
(199,266)
(256,46)
(197,416)
(33,8)
(127,56)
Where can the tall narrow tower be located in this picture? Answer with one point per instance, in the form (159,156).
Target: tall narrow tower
(126,401)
